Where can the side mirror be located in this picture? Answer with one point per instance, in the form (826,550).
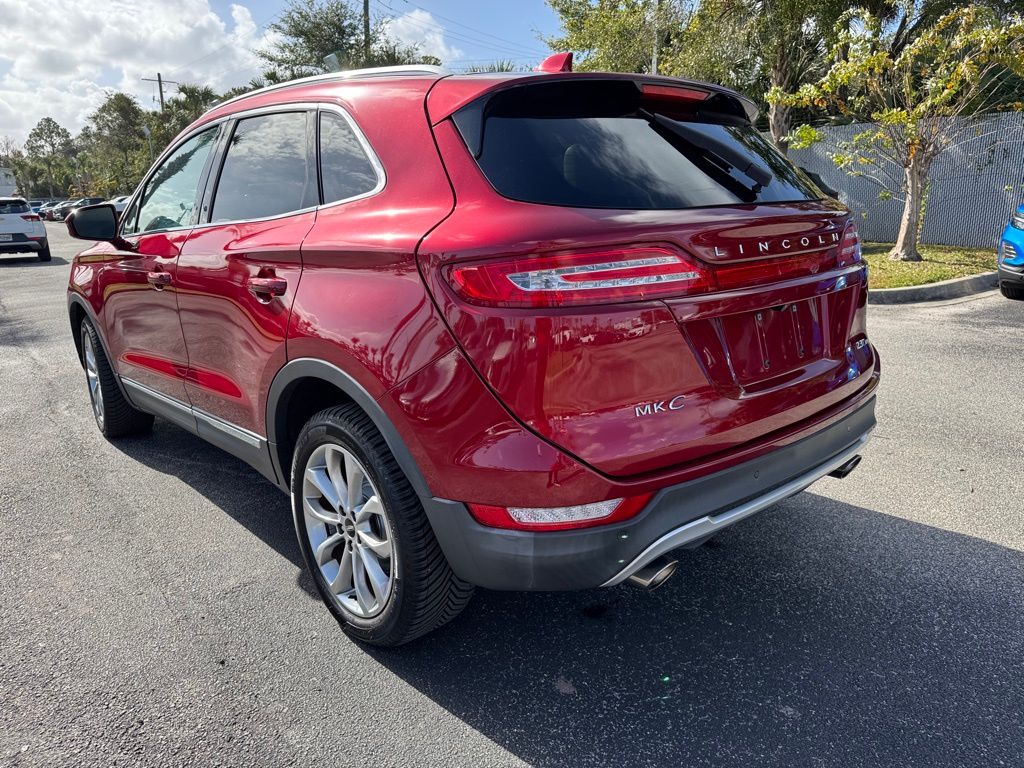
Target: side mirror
(93,222)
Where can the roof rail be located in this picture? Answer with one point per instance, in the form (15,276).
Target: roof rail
(347,74)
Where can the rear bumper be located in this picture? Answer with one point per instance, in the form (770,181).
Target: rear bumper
(678,516)
(23,246)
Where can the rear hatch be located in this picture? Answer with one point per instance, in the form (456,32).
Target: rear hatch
(638,275)
(17,221)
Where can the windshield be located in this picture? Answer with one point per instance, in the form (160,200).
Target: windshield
(601,144)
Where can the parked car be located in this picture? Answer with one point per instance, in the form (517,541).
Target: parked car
(530,331)
(61,210)
(22,231)
(1011,257)
(119,202)
(83,202)
(45,208)
(35,205)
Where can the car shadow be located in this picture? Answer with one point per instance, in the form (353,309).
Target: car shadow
(29,260)
(815,633)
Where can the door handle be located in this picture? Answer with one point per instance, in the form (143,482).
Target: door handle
(159,280)
(266,288)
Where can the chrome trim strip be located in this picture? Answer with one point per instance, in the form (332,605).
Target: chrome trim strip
(142,389)
(232,430)
(710,524)
(238,433)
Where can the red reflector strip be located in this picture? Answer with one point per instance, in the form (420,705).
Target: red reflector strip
(559,518)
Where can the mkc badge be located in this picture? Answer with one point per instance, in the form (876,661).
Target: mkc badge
(649,409)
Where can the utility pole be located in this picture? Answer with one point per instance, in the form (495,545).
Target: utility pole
(366,33)
(160,85)
(654,49)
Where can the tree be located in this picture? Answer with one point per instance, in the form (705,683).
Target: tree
(616,35)
(48,142)
(916,102)
(311,30)
(115,145)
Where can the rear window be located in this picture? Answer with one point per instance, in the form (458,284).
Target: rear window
(14,206)
(605,144)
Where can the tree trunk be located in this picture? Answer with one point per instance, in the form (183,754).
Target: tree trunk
(778,114)
(915,179)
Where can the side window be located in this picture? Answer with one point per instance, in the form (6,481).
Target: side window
(266,171)
(345,170)
(170,194)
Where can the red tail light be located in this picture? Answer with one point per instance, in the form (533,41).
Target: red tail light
(849,249)
(559,518)
(31,217)
(674,92)
(631,274)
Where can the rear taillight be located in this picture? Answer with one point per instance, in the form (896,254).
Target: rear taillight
(849,248)
(559,518)
(31,217)
(632,274)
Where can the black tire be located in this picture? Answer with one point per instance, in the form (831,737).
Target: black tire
(116,417)
(426,593)
(44,255)
(1010,291)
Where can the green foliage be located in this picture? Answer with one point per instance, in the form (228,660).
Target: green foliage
(616,35)
(311,30)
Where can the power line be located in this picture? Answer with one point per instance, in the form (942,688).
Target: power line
(160,84)
(504,50)
(472,29)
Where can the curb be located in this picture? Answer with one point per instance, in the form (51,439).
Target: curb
(946,289)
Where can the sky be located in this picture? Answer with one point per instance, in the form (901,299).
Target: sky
(60,57)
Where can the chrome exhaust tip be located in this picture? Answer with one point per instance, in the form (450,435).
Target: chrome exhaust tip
(845,469)
(654,574)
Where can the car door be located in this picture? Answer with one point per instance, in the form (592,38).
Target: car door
(239,268)
(140,308)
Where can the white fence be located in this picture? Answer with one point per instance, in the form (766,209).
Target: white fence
(968,203)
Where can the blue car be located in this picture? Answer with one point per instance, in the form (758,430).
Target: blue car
(1010,258)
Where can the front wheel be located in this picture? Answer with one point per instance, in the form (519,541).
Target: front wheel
(364,535)
(1011,291)
(114,415)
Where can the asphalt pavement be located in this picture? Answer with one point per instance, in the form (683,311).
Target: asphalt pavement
(154,611)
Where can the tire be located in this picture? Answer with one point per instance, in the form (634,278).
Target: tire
(1010,291)
(421,591)
(44,255)
(114,415)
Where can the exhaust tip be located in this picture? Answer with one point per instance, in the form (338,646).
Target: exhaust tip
(846,468)
(654,574)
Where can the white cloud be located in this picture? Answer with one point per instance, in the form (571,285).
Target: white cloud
(59,63)
(420,28)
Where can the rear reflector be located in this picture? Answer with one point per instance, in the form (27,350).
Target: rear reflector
(559,518)
(574,279)
(849,249)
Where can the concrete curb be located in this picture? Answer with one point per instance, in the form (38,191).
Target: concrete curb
(946,289)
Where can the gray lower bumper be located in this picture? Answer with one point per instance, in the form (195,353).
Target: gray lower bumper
(678,516)
(1010,274)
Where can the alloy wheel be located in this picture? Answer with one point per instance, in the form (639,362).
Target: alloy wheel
(92,375)
(348,531)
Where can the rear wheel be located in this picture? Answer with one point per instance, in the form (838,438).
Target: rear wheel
(44,255)
(1011,291)
(364,535)
(114,415)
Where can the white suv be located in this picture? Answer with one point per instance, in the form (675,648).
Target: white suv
(22,230)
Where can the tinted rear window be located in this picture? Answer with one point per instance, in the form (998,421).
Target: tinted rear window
(604,144)
(14,206)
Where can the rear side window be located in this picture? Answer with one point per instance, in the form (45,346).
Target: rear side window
(14,206)
(266,170)
(345,169)
(604,144)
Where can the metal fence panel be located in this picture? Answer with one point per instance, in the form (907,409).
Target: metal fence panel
(968,203)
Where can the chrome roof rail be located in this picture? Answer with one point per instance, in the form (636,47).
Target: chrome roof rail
(346,74)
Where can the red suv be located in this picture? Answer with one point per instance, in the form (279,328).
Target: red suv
(520,331)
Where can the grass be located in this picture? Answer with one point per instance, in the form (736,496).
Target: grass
(941,262)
